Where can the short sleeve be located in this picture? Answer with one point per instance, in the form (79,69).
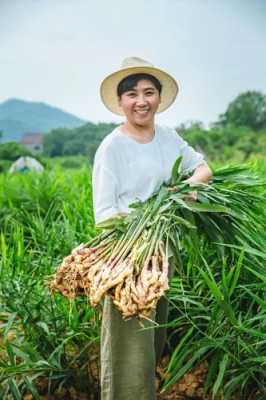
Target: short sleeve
(191,159)
(104,187)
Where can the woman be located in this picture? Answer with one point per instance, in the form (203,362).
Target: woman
(130,164)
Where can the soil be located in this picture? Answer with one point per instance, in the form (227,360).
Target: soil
(190,387)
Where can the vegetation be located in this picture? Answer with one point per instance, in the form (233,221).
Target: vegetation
(248,109)
(79,141)
(217,315)
(239,135)
(42,218)
(10,152)
(224,144)
(128,259)
(218,301)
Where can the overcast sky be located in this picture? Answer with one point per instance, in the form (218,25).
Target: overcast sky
(58,51)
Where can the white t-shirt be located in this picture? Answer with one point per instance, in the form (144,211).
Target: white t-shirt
(125,171)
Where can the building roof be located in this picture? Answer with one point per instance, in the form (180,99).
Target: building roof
(32,138)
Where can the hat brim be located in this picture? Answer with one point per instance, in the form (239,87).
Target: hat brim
(108,89)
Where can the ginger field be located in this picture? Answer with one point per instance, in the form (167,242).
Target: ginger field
(49,348)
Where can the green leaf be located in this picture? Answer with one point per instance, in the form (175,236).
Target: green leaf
(196,356)
(175,175)
(212,208)
(44,326)
(183,221)
(212,370)
(14,389)
(163,193)
(222,369)
(178,347)
(210,281)
(11,319)
(236,274)
(11,354)
(20,353)
(247,249)
(32,388)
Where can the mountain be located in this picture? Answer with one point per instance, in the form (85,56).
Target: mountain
(18,117)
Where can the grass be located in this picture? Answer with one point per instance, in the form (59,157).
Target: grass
(42,218)
(217,310)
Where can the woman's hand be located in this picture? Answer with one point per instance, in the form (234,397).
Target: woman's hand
(192,196)
(120,215)
(202,174)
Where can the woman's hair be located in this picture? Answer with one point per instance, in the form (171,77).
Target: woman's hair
(131,81)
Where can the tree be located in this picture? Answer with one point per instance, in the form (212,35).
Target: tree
(65,141)
(54,141)
(189,126)
(248,109)
(194,132)
(12,150)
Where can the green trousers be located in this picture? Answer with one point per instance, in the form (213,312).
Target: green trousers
(129,353)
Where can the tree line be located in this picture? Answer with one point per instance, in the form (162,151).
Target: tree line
(239,133)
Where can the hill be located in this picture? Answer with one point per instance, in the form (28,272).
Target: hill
(18,117)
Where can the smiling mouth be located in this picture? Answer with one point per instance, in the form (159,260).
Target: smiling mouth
(142,112)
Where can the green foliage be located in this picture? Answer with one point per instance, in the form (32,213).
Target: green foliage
(82,141)
(248,109)
(239,135)
(223,144)
(218,308)
(53,143)
(217,311)
(5,165)
(12,151)
(42,217)
(73,162)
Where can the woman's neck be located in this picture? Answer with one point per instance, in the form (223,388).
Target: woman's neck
(142,134)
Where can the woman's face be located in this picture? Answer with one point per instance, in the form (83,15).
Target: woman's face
(140,103)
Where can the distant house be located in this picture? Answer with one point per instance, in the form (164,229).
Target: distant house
(33,142)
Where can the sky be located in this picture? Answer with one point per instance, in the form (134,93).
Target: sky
(59,51)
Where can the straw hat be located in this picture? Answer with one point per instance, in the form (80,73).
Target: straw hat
(135,65)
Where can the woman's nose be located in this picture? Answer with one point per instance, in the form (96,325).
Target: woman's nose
(141,100)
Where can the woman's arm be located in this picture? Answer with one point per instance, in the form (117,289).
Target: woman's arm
(191,158)
(202,174)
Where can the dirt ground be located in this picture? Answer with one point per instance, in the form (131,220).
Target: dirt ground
(190,387)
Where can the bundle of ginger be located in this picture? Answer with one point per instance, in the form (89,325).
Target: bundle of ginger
(134,291)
